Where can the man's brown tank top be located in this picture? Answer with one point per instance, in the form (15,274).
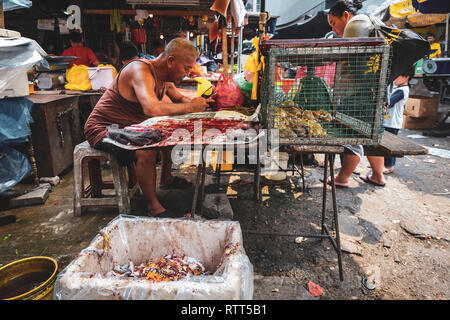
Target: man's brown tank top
(113,108)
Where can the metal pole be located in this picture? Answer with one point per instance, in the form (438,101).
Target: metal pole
(241,29)
(446,34)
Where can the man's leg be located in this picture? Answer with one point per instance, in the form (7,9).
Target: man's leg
(166,166)
(167,180)
(146,176)
(377,164)
(349,164)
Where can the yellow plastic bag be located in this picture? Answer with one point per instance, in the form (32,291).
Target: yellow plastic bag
(204,87)
(78,78)
(253,65)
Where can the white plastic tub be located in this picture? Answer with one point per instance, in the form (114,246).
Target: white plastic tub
(100,77)
(143,239)
(275,165)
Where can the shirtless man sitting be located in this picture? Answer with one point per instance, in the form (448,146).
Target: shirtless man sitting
(135,95)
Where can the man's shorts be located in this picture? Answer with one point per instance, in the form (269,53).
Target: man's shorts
(123,156)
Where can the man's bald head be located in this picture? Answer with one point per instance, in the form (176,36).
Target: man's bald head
(180,48)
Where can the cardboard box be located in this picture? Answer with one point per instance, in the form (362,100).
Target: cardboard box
(418,106)
(418,123)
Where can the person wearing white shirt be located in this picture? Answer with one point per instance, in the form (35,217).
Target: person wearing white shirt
(393,119)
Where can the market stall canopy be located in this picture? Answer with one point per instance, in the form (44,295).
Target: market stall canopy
(404,11)
(313,23)
(9,5)
(432,6)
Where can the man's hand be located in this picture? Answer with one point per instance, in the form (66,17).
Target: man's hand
(199,104)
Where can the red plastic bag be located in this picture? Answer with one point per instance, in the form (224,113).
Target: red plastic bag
(228,94)
(314,289)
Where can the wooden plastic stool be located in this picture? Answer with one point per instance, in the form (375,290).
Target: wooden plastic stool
(91,196)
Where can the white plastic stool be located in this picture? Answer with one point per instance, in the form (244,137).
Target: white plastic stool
(91,196)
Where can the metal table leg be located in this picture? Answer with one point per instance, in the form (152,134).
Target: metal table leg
(257,175)
(325,234)
(336,218)
(218,168)
(202,187)
(196,188)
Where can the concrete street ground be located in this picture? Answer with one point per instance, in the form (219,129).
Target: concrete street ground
(397,237)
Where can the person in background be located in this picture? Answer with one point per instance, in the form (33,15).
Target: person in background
(128,52)
(85,55)
(393,119)
(346,23)
(435,46)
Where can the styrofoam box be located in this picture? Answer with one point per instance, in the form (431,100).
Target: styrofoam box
(144,239)
(16,87)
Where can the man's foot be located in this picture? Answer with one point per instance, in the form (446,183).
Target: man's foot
(177,183)
(367,179)
(165,214)
(388,170)
(337,184)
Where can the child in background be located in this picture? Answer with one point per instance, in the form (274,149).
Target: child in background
(394,112)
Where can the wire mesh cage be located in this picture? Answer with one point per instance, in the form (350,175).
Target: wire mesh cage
(325,92)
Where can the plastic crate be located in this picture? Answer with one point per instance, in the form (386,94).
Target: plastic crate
(216,244)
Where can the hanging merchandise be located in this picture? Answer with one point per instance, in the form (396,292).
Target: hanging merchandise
(115,20)
(253,65)
(220,6)
(127,34)
(140,35)
(214,30)
(238,12)
(156,23)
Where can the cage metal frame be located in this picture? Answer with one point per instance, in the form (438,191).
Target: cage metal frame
(331,50)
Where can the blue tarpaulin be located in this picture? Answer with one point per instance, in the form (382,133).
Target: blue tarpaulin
(9,5)
(15,119)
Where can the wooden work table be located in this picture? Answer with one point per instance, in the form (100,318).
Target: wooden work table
(55,132)
(390,146)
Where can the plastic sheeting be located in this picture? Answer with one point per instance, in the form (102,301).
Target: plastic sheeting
(15,119)
(216,244)
(9,5)
(17,56)
(14,166)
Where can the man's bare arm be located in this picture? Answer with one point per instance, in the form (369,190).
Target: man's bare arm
(175,95)
(143,85)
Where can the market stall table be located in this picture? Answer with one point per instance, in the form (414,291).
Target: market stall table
(55,132)
(391,146)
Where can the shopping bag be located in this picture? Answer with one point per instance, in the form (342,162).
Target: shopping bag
(78,78)
(228,94)
(407,47)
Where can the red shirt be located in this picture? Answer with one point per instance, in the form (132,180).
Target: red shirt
(86,55)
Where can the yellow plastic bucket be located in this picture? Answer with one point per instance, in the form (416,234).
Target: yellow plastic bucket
(28,279)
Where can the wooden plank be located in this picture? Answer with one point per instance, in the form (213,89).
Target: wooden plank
(314,148)
(155,12)
(391,146)
(41,99)
(395,146)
